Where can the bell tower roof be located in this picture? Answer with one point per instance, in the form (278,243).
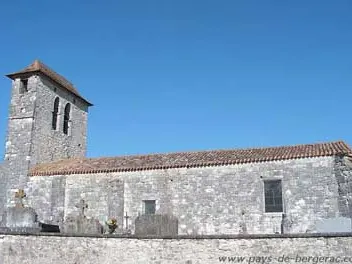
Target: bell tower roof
(39,67)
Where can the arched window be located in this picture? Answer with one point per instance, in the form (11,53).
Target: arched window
(66,118)
(55,113)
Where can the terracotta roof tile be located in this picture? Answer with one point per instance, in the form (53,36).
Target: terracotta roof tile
(189,159)
(38,66)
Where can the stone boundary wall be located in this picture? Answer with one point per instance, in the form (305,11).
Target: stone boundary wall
(76,249)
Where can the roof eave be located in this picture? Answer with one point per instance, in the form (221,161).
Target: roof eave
(14,75)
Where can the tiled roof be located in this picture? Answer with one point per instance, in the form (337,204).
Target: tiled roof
(38,66)
(189,159)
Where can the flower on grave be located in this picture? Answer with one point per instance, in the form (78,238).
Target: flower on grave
(111,222)
(20,194)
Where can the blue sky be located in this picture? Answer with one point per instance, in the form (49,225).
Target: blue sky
(186,75)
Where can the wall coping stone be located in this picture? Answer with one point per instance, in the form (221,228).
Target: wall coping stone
(180,237)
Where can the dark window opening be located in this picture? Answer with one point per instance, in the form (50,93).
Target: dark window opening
(55,113)
(24,86)
(273,196)
(149,207)
(67,118)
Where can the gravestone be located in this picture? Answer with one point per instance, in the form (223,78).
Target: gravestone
(126,231)
(334,225)
(156,225)
(81,224)
(18,217)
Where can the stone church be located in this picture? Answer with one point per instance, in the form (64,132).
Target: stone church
(253,191)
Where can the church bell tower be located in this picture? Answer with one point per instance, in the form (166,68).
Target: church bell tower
(47,122)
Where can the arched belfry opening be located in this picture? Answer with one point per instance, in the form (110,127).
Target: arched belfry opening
(55,113)
(67,118)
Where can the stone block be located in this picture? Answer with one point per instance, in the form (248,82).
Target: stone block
(156,225)
(81,225)
(334,225)
(20,219)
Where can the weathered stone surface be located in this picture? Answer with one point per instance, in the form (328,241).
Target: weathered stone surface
(3,188)
(21,219)
(48,144)
(157,225)
(104,196)
(343,174)
(338,224)
(17,216)
(208,200)
(30,138)
(81,225)
(84,250)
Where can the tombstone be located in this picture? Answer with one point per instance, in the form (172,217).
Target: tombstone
(81,224)
(156,225)
(334,225)
(18,217)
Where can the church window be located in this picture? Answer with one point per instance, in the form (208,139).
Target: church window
(55,113)
(24,86)
(149,207)
(67,118)
(273,196)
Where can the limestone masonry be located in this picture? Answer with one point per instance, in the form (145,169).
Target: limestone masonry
(292,189)
(90,250)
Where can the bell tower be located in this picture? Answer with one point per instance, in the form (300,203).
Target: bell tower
(47,121)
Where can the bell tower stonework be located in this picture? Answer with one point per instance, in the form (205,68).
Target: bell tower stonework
(47,122)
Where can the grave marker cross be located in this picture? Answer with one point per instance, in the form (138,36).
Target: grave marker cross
(19,195)
(82,205)
(126,217)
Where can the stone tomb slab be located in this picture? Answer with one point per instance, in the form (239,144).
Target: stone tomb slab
(81,225)
(156,225)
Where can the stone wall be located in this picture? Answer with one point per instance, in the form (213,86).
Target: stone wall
(86,250)
(47,144)
(55,197)
(206,200)
(343,174)
(3,188)
(48,197)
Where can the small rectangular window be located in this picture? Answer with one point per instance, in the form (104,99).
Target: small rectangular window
(24,86)
(149,207)
(273,196)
